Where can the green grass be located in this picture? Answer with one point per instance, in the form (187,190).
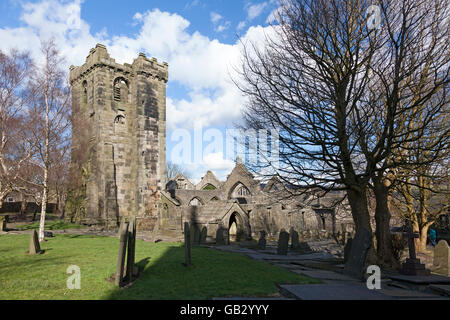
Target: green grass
(213,274)
(51,225)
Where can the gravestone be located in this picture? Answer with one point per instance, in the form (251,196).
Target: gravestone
(262,241)
(303,248)
(441,261)
(3,221)
(131,268)
(294,240)
(283,243)
(195,233)
(347,249)
(203,235)
(222,236)
(122,252)
(187,244)
(35,247)
(412,265)
(355,265)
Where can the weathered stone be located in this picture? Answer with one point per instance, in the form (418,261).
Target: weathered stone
(187,244)
(262,241)
(294,240)
(304,248)
(355,265)
(222,236)
(35,247)
(203,235)
(131,267)
(441,261)
(3,221)
(283,243)
(347,249)
(412,265)
(122,253)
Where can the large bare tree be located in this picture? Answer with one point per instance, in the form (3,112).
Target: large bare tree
(339,93)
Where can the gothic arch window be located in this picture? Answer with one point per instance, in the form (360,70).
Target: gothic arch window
(240,191)
(84,92)
(120,119)
(121,90)
(195,202)
(209,186)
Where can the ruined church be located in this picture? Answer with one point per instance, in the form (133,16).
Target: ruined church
(119,166)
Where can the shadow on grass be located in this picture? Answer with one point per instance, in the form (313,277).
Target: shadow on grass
(212,274)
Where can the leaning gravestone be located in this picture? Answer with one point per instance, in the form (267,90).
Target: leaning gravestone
(122,254)
(294,240)
(262,241)
(441,261)
(358,253)
(131,268)
(187,244)
(283,243)
(347,249)
(35,247)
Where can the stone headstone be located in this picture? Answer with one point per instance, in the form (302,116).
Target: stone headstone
(441,260)
(187,244)
(131,268)
(195,233)
(35,247)
(294,240)
(347,249)
(203,235)
(355,265)
(3,221)
(262,241)
(412,265)
(222,236)
(122,253)
(283,243)
(303,247)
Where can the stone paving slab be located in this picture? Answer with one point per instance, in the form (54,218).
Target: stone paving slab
(326,275)
(441,288)
(332,292)
(422,280)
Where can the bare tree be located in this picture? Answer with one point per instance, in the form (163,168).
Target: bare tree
(337,91)
(16,147)
(51,109)
(172,169)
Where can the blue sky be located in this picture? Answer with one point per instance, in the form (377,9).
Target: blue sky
(198,38)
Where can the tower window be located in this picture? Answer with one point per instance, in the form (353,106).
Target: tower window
(120,90)
(84,92)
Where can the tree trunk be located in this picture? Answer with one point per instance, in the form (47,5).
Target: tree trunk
(385,250)
(46,168)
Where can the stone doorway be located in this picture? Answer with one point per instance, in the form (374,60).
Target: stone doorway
(235,230)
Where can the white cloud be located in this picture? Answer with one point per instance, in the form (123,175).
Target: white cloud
(201,65)
(215,17)
(241,25)
(216,162)
(255,10)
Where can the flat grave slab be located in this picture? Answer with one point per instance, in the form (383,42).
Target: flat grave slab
(332,292)
(325,275)
(441,288)
(422,280)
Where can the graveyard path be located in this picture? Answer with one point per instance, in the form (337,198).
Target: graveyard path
(327,266)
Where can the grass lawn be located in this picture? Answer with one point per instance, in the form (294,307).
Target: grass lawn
(213,274)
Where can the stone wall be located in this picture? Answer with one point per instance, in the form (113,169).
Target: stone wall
(119,129)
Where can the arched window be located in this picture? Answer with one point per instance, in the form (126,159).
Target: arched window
(120,119)
(120,90)
(195,202)
(214,199)
(209,186)
(240,191)
(243,191)
(84,92)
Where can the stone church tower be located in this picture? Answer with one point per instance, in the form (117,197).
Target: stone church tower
(119,138)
